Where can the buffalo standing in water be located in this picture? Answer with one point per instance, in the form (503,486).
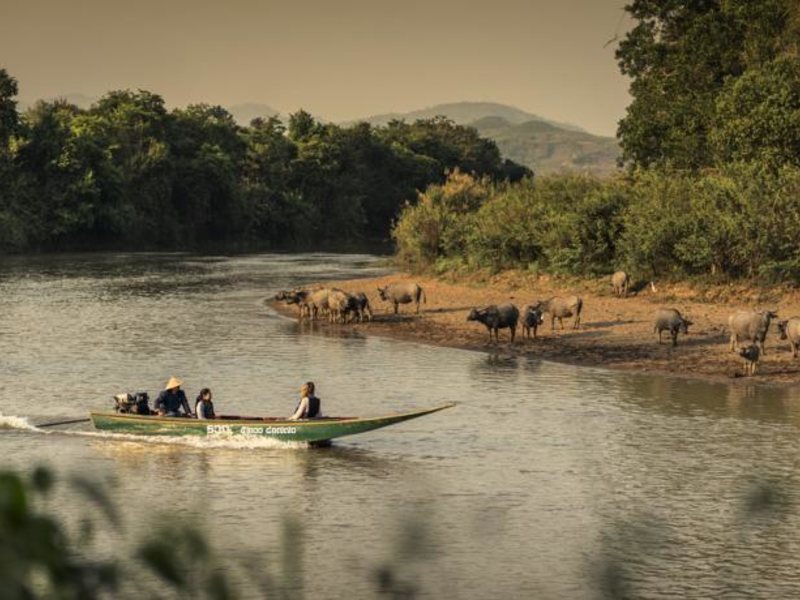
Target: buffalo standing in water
(496,318)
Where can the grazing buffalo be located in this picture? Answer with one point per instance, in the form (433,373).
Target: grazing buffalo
(620,282)
(402,293)
(790,330)
(751,355)
(670,320)
(560,308)
(531,319)
(496,318)
(751,326)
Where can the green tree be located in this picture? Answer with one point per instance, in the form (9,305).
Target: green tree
(59,193)
(207,153)
(11,235)
(132,127)
(8,107)
(758,116)
(681,56)
(275,213)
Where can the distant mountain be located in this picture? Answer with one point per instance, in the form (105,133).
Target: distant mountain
(464,113)
(244,113)
(546,148)
(543,145)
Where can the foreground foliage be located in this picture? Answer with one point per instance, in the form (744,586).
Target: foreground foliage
(42,556)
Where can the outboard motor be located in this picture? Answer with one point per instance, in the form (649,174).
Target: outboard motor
(135,404)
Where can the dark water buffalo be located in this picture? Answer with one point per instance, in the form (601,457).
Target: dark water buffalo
(790,330)
(298,297)
(358,306)
(496,318)
(751,326)
(751,356)
(670,319)
(531,319)
(402,293)
(560,308)
(620,282)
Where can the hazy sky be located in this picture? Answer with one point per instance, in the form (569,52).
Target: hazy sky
(339,59)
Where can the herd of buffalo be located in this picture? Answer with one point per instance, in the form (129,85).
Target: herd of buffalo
(748,328)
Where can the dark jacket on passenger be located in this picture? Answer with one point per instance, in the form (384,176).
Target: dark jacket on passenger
(313,410)
(204,410)
(172,402)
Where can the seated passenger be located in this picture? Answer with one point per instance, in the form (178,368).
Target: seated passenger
(172,400)
(309,406)
(203,406)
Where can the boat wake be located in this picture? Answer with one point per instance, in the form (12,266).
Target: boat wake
(14,422)
(238,442)
(230,442)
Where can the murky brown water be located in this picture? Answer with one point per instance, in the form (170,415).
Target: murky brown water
(546,481)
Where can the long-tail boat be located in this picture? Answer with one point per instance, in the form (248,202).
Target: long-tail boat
(314,431)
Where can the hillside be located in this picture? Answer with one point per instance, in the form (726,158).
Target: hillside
(543,145)
(546,148)
(464,113)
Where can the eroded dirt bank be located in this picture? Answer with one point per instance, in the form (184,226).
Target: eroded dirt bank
(615,332)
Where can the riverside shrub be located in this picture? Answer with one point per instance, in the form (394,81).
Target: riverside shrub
(737,222)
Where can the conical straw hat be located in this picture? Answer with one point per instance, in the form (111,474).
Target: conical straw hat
(173,383)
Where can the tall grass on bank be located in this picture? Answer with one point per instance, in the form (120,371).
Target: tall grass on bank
(739,222)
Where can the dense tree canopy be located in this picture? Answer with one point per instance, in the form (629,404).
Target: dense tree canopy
(130,173)
(697,68)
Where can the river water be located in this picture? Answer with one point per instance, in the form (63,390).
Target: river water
(547,480)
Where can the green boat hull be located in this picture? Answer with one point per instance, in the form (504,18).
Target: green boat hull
(313,431)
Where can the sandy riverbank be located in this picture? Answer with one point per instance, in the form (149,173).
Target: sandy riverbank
(615,332)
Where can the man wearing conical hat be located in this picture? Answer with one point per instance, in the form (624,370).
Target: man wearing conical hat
(172,400)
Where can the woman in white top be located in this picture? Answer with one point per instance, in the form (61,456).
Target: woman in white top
(204,407)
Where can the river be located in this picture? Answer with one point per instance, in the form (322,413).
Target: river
(546,480)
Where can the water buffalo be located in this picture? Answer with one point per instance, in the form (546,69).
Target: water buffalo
(750,326)
(751,355)
(359,307)
(670,320)
(561,307)
(496,318)
(298,297)
(790,330)
(620,282)
(531,319)
(318,302)
(402,293)
(338,304)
